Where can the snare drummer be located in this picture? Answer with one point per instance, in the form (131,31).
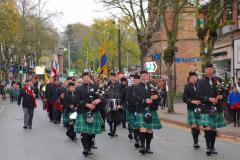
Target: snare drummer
(113,95)
(191,98)
(146,112)
(89,121)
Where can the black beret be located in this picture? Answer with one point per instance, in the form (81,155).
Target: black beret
(112,74)
(69,78)
(136,76)
(210,65)
(192,74)
(71,84)
(123,79)
(26,81)
(85,74)
(144,72)
(61,91)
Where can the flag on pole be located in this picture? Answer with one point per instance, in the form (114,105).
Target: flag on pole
(45,75)
(54,70)
(102,65)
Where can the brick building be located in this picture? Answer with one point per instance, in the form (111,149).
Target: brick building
(188,55)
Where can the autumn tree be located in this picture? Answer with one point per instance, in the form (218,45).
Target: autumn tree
(9,34)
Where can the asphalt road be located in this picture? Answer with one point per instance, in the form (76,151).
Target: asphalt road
(47,141)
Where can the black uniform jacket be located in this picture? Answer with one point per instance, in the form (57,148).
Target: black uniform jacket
(131,105)
(86,93)
(114,91)
(69,99)
(206,91)
(190,94)
(140,94)
(27,101)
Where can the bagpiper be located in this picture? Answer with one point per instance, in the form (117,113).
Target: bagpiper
(131,110)
(212,111)
(191,98)
(147,118)
(89,121)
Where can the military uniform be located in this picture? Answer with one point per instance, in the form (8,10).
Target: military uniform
(86,93)
(212,114)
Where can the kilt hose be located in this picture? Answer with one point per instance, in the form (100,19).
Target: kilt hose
(81,126)
(191,118)
(140,123)
(216,121)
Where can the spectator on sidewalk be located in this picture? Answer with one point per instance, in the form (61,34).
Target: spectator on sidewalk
(234,101)
(3,90)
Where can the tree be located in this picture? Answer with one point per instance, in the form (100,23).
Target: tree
(9,33)
(137,11)
(207,31)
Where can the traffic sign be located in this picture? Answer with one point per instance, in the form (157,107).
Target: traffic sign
(156,57)
(71,73)
(151,66)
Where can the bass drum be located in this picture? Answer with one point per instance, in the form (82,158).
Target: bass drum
(73,116)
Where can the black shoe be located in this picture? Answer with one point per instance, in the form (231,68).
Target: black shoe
(115,135)
(148,150)
(110,134)
(196,146)
(30,127)
(234,125)
(137,145)
(213,151)
(24,127)
(124,126)
(85,153)
(55,122)
(209,152)
(130,136)
(143,151)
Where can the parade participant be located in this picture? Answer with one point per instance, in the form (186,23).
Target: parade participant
(58,105)
(146,112)
(70,104)
(124,85)
(113,96)
(131,109)
(212,116)
(55,95)
(49,98)
(192,100)
(65,111)
(89,120)
(28,103)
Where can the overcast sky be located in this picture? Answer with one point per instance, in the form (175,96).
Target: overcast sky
(83,11)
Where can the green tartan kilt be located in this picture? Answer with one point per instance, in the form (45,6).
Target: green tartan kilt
(81,126)
(131,118)
(192,119)
(66,115)
(140,123)
(217,121)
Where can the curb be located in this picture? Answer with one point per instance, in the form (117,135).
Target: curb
(221,134)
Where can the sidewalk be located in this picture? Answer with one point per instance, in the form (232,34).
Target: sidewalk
(180,119)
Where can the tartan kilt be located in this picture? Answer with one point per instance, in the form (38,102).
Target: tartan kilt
(81,126)
(192,119)
(217,121)
(131,118)
(140,123)
(66,118)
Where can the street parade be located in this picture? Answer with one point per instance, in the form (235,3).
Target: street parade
(119,80)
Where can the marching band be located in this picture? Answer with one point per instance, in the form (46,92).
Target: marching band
(135,100)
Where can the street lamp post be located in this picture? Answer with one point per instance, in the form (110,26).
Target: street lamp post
(69,54)
(119,49)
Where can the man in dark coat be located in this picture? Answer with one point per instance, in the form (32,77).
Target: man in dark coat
(49,97)
(28,103)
